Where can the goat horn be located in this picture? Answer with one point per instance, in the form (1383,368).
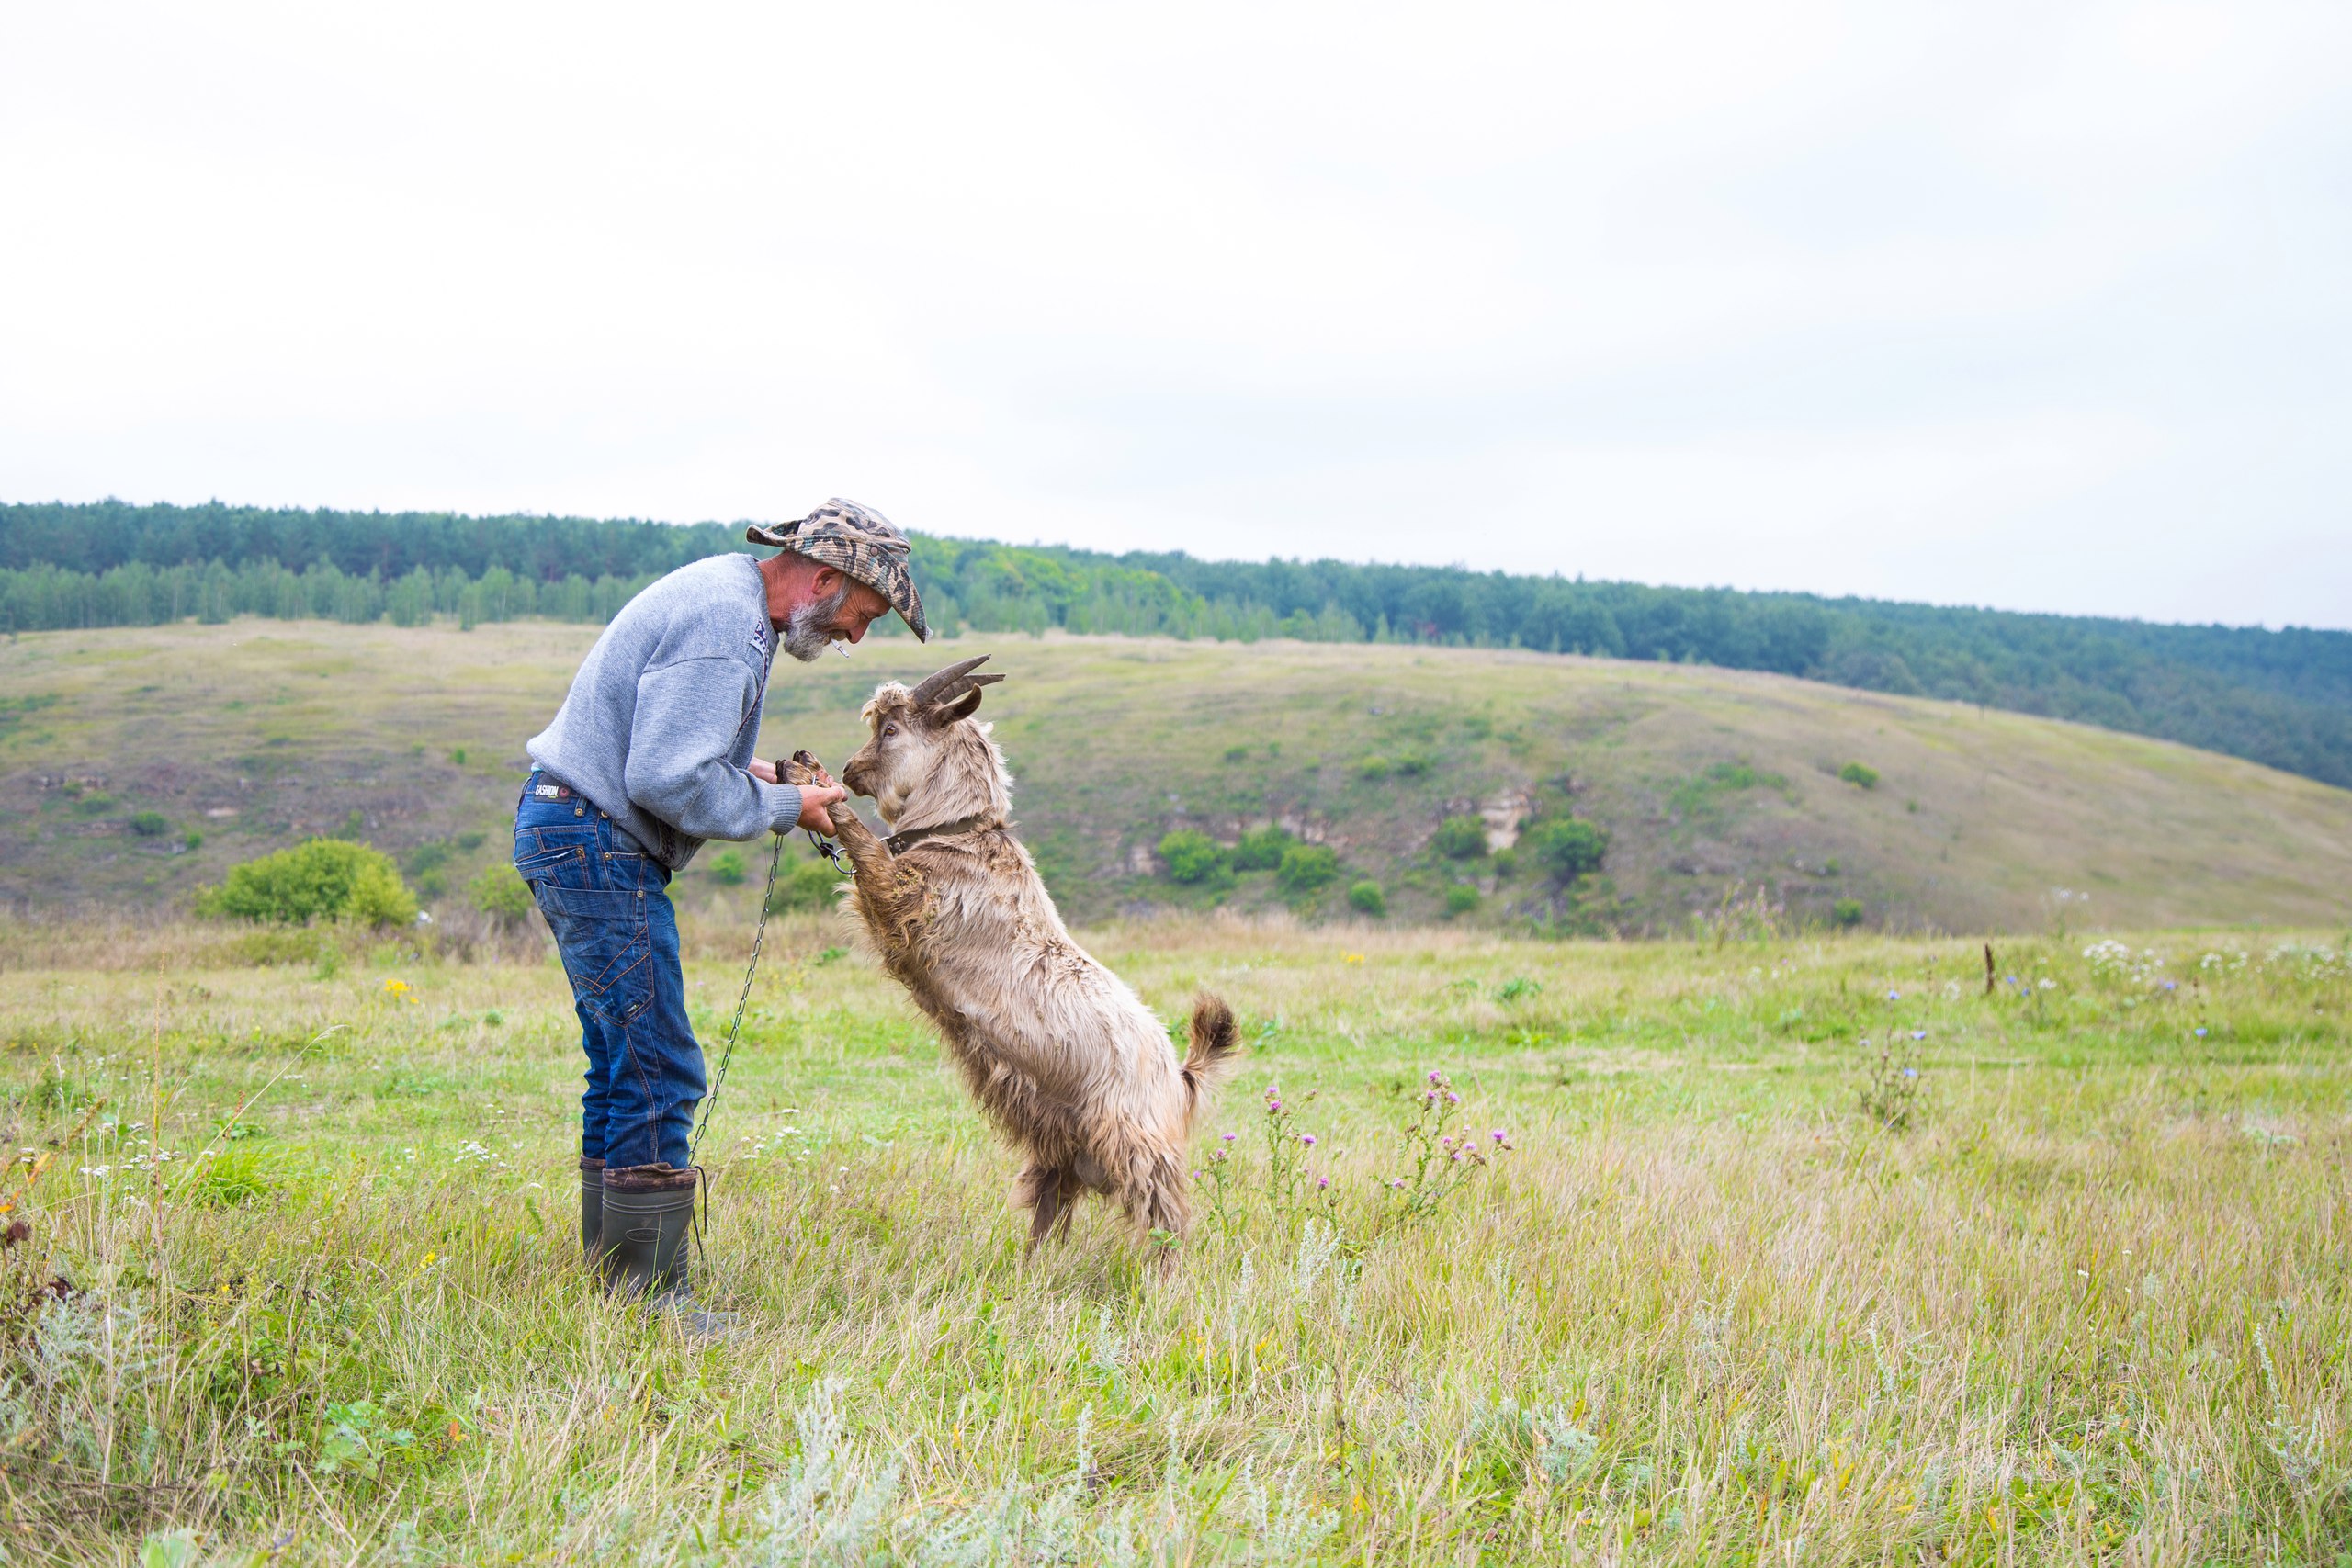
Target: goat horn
(953,681)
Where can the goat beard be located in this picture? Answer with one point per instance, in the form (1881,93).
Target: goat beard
(808,631)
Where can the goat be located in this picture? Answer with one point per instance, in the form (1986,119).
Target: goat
(1061,1053)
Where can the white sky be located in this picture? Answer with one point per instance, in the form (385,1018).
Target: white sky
(2039,306)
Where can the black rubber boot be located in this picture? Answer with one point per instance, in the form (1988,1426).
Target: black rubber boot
(591,1208)
(648,1226)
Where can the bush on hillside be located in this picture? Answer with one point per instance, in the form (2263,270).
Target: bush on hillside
(1861,773)
(804,886)
(1460,838)
(149,824)
(1460,899)
(1366,898)
(1261,849)
(1306,867)
(1847,912)
(499,892)
(325,879)
(1191,856)
(1565,847)
(727,867)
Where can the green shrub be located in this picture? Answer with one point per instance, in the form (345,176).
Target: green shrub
(1847,912)
(727,866)
(1306,867)
(499,892)
(1507,862)
(149,824)
(191,839)
(1565,847)
(804,884)
(1191,856)
(1460,899)
(1861,773)
(1413,764)
(1460,838)
(325,879)
(1372,770)
(1261,849)
(1366,898)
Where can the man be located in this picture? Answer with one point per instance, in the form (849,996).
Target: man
(650,755)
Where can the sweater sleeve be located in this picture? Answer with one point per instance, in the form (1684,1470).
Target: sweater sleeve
(687,716)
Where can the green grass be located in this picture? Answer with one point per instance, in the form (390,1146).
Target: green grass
(2093,1305)
(1716,788)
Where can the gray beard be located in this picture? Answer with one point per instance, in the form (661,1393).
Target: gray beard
(808,630)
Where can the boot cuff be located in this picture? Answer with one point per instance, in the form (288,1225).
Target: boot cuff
(649,1178)
(587,1165)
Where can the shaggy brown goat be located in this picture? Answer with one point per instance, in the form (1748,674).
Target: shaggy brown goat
(1059,1051)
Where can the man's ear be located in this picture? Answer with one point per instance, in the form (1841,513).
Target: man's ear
(825,582)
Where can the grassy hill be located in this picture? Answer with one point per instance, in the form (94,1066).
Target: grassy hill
(1713,785)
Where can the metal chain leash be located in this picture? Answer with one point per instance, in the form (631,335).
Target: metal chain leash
(832,852)
(735,1028)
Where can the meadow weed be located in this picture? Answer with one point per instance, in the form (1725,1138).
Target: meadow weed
(288,1272)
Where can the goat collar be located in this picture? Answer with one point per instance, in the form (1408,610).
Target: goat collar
(900,843)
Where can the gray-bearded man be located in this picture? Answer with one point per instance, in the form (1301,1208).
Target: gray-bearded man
(650,756)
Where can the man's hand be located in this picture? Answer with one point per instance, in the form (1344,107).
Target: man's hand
(815,801)
(815,797)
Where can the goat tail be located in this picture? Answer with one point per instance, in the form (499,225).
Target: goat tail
(1215,1043)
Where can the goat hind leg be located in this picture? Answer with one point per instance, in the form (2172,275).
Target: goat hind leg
(1050,1193)
(1163,1212)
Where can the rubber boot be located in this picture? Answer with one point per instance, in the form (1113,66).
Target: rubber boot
(647,1228)
(591,1208)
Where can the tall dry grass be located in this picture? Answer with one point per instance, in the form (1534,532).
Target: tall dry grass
(2092,1307)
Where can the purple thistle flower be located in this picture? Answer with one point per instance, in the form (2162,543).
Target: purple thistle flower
(1307,1138)
(1457,1153)
(1452,1097)
(1498,1135)
(1322,1182)
(1918,1034)
(1229,1137)
(1436,1077)
(1399,1183)
(1910,1071)
(1894,996)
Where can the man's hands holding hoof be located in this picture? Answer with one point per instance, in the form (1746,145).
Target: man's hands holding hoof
(803,769)
(818,793)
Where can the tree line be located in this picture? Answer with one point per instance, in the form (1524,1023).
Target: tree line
(2279,697)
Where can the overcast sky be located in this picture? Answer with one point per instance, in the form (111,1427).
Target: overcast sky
(2036,306)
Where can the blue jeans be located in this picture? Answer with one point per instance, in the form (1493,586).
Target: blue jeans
(602,897)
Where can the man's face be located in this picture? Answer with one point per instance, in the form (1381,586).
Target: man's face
(838,609)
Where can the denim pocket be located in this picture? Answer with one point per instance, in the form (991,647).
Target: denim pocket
(546,851)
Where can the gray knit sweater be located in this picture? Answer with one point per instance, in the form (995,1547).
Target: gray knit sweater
(665,711)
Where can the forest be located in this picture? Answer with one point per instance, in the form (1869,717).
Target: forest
(2283,698)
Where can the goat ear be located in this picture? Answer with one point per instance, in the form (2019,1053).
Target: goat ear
(960,707)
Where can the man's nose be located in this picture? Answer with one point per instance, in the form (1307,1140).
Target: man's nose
(856,633)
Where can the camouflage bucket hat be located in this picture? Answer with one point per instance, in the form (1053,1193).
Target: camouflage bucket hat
(860,542)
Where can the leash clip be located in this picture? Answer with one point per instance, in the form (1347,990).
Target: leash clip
(830,850)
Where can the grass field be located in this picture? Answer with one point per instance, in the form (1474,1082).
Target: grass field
(1712,784)
(2079,1292)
